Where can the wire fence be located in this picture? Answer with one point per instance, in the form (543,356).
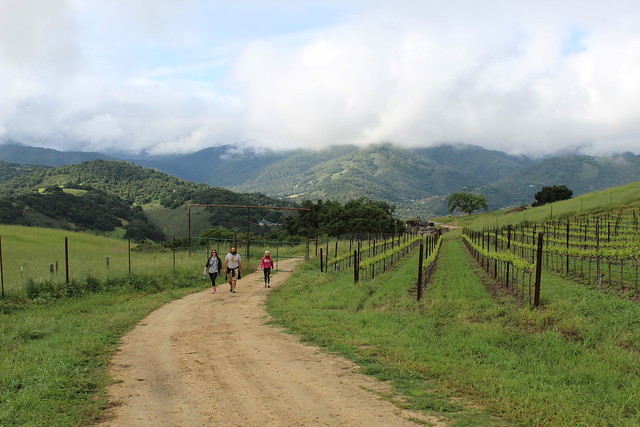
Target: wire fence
(38,257)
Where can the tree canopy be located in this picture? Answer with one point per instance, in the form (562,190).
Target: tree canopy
(552,193)
(466,202)
(334,219)
(86,208)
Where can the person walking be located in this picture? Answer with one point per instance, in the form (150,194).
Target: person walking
(213,265)
(233,264)
(266,264)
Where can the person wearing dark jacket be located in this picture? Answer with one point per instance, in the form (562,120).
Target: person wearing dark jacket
(213,265)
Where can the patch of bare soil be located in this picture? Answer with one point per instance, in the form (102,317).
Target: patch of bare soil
(211,359)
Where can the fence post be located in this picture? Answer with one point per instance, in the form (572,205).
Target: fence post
(1,269)
(321,261)
(598,249)
(129,252)
(326,254)
(508,250)
(495,248)
(488,250)
(420,263)
(66,257)
(568,230)
(174,253)
(536,296)
(356,266)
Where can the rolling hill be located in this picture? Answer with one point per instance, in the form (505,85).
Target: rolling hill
(162,197)
(417,181)
(414,180)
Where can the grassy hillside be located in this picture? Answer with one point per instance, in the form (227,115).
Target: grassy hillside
(612,199)
(582,174)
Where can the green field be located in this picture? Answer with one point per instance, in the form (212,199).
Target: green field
(38,254)
(467,353)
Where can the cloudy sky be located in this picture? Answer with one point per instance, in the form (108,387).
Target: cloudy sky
(168,76)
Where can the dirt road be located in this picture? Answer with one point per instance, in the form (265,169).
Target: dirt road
(208,360)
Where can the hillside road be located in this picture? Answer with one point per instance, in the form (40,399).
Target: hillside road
(213,360)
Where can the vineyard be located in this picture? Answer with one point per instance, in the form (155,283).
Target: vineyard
(368,258)
(594,249)
(373,253)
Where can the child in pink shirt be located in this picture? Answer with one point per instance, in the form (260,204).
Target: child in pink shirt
(266,264)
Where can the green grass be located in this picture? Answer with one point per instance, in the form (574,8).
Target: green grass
(29,253)
(619,198)
(470,358)
(54,352)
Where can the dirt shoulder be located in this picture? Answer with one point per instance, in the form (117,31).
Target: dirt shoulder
(212,360)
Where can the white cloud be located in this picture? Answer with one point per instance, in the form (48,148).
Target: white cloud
(169,76)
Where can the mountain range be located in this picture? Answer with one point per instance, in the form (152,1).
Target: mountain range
(416,180)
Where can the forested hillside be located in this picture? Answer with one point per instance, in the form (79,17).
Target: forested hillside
(416,180)
(9,171)
(157,193)
(80,208)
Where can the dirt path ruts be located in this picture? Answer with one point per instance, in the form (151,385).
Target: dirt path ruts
(207,360)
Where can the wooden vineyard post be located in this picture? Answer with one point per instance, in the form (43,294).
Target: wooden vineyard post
(420,263)
(356,266)
(568,230)
(495,249)
(536,295)
(509,250)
